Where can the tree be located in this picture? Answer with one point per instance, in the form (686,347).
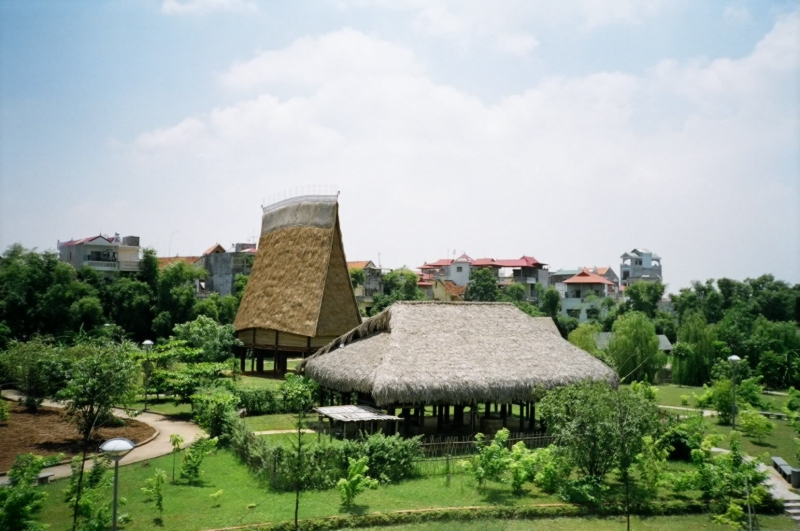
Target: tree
(104,378)
(697,358)
(551,302)
(356,481)
(598,427)
(645,296)
(756,425)
(357,277)
(634,348)
(154,487)
(22,499)
(482,284)
(585,337)
(512,293)
(216,341)
(398,285)
(176,441)
(35,367)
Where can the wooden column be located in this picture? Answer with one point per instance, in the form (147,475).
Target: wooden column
(439,418)
(532,416)
(504,414)
(521,417)
(487,409)
(458,416)
(405,414)
(242,358)
(259,360)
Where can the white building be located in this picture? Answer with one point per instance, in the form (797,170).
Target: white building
(102,253)
(583,295)
(640,265)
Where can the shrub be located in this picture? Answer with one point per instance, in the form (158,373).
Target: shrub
(154,487)
(550,469)
(585,491)
(722,393)
(20,501)
(705,400)
(751,392)
(193,458)
(685,400)
(756,425)
(3,411)
(793,401)
(651,464)
(258,401)
(492,460)
(645,390)
(210,407)
(390,458)
(683,437)
(298,392)
(356,482)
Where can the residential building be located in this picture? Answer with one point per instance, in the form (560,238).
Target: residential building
(447,291)
(583,294)
(222,266)
(558,277)
(640,265)
(526,270)
(373,283)
(102,253)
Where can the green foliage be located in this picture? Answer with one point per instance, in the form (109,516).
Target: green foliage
(37,368)
(3,411)
(645,296)
(193,459)
(210,406)
(792,404)
(216,341)
(584,337)
(512,293)
(389,457)
(492,460)
(704,400)
(549,469)
(176,441)
(597,426)
(186,381)
(258,401)
(551,302)
(154,488)
(216,497)
(651,465)
(722,399)
(22,500)
(356,481)
(93,510)
(681,437)
(103,378)
(298,392)
(645,390)
(750,391)
(685,400)
(398,285)
(634,348)
(755,425)
(482,285)
(357,277)
(588,490)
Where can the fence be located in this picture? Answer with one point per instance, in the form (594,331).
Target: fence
(442,454)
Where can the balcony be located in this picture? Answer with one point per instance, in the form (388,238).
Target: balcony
(100,265)
(129,265)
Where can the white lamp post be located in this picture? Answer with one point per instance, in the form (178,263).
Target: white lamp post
(734,361)
(116,449)
(147,346)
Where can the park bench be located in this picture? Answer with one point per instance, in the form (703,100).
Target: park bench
(42,479)
(787,472)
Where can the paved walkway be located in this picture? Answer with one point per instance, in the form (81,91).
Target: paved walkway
(706,412)
(777,485)
(157,447)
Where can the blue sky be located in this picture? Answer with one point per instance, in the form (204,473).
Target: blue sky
(568,131)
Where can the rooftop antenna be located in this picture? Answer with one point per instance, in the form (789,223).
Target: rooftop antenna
(379,260)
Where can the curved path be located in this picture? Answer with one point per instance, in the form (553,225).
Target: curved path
(156,447)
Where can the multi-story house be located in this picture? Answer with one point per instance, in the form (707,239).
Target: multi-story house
(640,265)
(583,293)
(373,283)
(222,266)
(104,254)
(527,271)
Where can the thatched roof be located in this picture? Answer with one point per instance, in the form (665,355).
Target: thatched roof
(300,283)
(455,353)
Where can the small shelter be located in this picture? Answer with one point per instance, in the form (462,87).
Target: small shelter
(451,355)
(299,296)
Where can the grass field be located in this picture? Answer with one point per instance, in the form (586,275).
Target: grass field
(670,395)
(659,523)
(165,406)
(270,422)
(780,442)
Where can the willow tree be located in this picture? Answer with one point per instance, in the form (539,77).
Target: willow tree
(694,361)
(634,348)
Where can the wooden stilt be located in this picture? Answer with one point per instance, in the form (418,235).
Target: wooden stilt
(504,414)
(521,417)
(532,416)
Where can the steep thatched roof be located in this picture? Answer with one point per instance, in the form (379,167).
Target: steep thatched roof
(300,283)
(456,353)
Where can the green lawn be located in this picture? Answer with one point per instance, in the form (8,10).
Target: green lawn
(165,406)
(670,395)
(261,381)
(270,422)
(779,443)
(659,523)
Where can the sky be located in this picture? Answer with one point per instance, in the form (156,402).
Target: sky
(568,131)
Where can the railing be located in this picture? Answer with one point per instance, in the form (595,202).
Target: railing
(129,265)
(467,445)
(98,264)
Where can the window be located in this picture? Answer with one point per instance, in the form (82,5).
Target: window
(576,313)
(459,269)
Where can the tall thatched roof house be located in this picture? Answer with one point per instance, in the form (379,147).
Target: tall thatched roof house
(462,354)
(299,296)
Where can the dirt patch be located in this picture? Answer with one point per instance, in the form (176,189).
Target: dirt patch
(48,433)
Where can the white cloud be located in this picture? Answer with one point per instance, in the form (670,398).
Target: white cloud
(202,7)
(516,43)
(688,159)
(345,54)
(509,23)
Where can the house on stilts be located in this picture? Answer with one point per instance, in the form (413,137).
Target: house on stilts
(456,367)
(299,296)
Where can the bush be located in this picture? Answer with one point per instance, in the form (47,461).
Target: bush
(685,400)
(389,457)
(585,491)
(193,458)
(756,425)
(683,437)
(492,460)
(705,400)
(20,501)
(3,411)
(645,390)
(154,488)
(550,469)
(210,408)
(356,481)
(258,401)
(722,393)
(751,392)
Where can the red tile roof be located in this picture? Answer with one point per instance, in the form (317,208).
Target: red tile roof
(216,248)
(85,240)
(251,250)
(525,261)
(437,264)
(585,277)
(424,284)
(453,289)
(358,265)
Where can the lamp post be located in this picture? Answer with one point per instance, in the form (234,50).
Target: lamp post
(147,346)
(116,449)
(734,361)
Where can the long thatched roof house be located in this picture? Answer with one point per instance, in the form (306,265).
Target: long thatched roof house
(299,296)
(452,353)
